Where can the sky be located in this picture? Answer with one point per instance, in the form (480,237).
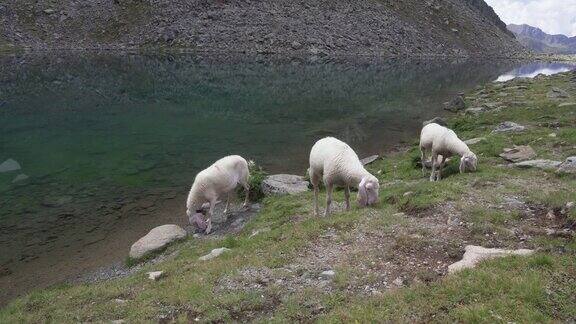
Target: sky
(552,16)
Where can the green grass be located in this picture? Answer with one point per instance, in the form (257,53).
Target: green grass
(539,288)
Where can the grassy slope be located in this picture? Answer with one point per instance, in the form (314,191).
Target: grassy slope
(536,288)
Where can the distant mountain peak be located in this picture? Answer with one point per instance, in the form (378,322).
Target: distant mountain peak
(539,41)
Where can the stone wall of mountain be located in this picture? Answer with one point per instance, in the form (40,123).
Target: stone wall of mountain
(538,41)
(387,27)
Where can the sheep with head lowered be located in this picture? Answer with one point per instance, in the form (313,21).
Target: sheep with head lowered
(219,179)
(337,164)
(442,142)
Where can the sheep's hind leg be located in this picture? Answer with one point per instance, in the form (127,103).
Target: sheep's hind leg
(209,220)
(246,186)
(315,182)
(329,188)
(439,177)
(423,160)
(347,195)
(434,160)
(227,203)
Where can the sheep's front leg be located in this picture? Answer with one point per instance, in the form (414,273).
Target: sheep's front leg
(209,220)
(329,188)
(433,174)
(347,196)
(439,177)
(247,194)
(227,203)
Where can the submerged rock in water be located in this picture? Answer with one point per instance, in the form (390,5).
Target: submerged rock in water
(475,254)
(158,238)
(9,165)
(569,166)
(539,164)
(213,254)
(284,184)
(508,126)
(518,153)
(20,177)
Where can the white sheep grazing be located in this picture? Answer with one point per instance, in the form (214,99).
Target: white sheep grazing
(221,178)
(337,164)
(443,143)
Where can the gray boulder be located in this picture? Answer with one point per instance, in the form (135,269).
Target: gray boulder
(539,164)
(518,153)
(455,104)
(569,166)
(370,159)
(284,184)
(508,126)
(9,165)
(157,239)
(213,254)
(436,120)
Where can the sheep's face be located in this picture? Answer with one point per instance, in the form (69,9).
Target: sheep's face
(368,192)
(468,162)
(197,220)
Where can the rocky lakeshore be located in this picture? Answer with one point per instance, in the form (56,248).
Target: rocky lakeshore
(513,221)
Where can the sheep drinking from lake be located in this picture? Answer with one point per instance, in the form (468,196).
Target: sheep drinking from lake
(220,179)
(338,165)
(443,143)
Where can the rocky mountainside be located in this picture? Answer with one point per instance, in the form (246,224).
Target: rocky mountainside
(537,40)
(389,27)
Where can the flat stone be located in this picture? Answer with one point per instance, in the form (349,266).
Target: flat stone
(567,104)
(370,159)
(328,274)
(158,238)
(155,275)
(508,126)
(9,165)
(476,140)
(557,93)
(539,164)
(20,177)
(213,254)
(518,153)
(284,184)
(475,254)
(569,166)
(475,110)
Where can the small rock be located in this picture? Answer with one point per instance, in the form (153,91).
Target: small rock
(155,275)
(370,159)
(407,193)
(567,104)
(436,120)
(120,321)
(158,238)
(296,45)
(508,126)
(569,166)
(552,135)
(328,274)
(20,177)
(120,301)
(455,104)
(569,205)
(518,153)
(213,254)
(399,215)
(475,254)
(49,11)
(284,184)
(539,164)
(398,282)
(9,165)
(475,140)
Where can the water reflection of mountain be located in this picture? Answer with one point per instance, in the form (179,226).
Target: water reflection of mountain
(534,69)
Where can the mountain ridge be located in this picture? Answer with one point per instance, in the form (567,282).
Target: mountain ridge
(383,27)
(539,41)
